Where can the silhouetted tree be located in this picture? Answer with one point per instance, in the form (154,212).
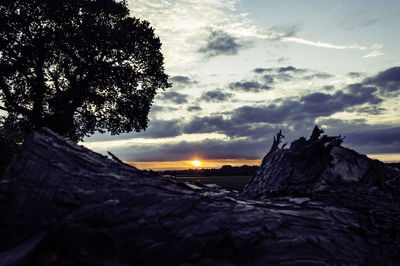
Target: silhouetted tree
(77,66)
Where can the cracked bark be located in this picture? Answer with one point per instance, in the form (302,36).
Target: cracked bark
(64,204)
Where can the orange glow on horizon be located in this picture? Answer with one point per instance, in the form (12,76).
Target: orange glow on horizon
(182,165)
(196,163)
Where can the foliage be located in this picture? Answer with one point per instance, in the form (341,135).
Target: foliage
(77,66)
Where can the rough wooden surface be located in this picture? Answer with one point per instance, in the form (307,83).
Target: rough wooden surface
(63,204)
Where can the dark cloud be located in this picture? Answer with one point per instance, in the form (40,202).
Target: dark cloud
(268,79)
(328,87)
(248,86)
(174,97)
(355,74)
(372,110)
(215,96)
(290,69)
(363,137)
(260,70)
(387,81)
(210,149)
(318,76)
(219,124)
(161,109)
(221,43)
(182,81)
(156,129)
(279,70)
(288,73)
(308,107)
(163,129)
(193,108)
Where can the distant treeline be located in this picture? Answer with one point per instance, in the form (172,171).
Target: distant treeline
(226,170)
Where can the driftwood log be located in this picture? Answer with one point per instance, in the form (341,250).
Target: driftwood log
(63,204)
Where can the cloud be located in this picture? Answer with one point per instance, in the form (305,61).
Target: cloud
(372,110)
(156,129)
(387,81)
(364,137)
(209,149)
(219,124)
(318,76)
(215,96)
(375,49)
(363,24)
(221,43)
(355,74)
(182,81)
(182,25)
(308,107)
(328,87)
(248,86)
(272,75)
(268,79)
(367,139)
(174,97)
(279,70)
(286,30)
(163,129)
(374,54)
(161,109)
(193,108)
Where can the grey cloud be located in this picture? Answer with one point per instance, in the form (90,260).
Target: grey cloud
(328,87)
(210,149)
(182,81)
(363,24)
(160,109)
(308,107)
(279,70)
(174,97)
(193,108)
(387,81)
(163,129)
(372,110)
(287,30)
(355,74)
(365,138)
(221,43)
(268,79)
(219,124)
(248,86)
(318,76)
(290,69)
(156,129)
(289,73)
(215,96)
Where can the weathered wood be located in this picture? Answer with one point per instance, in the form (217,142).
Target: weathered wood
(64,204)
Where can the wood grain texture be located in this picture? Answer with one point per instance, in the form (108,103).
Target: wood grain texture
(64,204)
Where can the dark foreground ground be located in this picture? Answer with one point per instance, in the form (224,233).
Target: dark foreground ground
(315,203)
(228,182)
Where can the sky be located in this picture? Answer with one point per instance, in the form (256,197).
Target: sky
(244,69)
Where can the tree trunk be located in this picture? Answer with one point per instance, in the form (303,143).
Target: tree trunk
(64,204)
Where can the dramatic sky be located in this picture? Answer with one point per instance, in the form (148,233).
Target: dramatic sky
(241,70)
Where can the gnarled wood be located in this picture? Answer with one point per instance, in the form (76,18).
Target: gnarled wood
(64,204)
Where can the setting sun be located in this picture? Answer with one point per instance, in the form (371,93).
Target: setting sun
(196,163)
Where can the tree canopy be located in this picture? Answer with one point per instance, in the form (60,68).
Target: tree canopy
(77,66)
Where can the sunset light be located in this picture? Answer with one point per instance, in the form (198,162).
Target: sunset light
(196,163)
